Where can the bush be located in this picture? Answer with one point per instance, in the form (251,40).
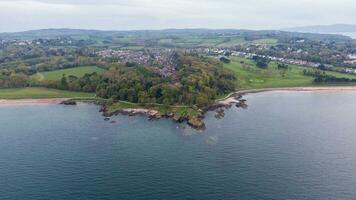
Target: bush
(225,60)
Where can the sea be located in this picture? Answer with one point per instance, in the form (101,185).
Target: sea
(285,145)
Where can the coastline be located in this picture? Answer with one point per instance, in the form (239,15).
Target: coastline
(195,120)
(231,98)
(8,102)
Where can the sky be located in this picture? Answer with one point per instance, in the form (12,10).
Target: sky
(21,15)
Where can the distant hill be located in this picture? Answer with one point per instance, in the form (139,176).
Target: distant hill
(335,28)
(51,33)
(111,36)
(55,33)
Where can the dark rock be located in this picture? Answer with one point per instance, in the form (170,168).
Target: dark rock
(197,124)
(238,96)
(220,113)
(103,109)
(215,106)
(69,103)
(176,118)
(242,104)
(153,115)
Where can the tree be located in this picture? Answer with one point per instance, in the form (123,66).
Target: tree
(63,84)
(225,60)
(74,86)
(18,80)
(261,62)
(282,66)
(322,67)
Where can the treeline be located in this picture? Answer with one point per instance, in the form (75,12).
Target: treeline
(87,83)
(261,62)
(42,55)
(10,79)
(14,50)
(42,64)
(333,79)
(322,77)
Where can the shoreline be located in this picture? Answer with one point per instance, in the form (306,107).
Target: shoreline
(195,121)
(231,98)
(9,102)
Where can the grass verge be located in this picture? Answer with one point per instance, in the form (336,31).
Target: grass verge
(41,93)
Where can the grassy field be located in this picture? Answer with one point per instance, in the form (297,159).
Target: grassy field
(252,77)
(219,41)
(78,72)
(267,41)
(40,93)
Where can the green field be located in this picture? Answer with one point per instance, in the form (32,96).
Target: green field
(220,41)
(78,72)
(40,93)
(267,41)
(251,77)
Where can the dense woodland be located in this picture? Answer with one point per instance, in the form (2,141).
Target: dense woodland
(200,80)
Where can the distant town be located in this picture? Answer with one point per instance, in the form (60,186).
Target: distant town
(162,58)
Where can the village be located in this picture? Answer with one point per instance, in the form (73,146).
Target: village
(163,60)
(223,52)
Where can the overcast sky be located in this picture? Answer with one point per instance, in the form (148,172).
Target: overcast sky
(19,15)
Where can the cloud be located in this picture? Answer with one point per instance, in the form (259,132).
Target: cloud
(160,14)
(78,2)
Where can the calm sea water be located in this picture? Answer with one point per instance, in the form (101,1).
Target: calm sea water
(284,146)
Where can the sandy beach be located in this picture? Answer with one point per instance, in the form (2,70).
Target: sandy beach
(303,89)
(230,99)
(31,101)
(227,100)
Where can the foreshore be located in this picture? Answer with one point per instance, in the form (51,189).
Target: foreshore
(196,120)
(231,98)
(228,99)
(31,101)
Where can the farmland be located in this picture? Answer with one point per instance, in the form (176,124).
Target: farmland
(57,74)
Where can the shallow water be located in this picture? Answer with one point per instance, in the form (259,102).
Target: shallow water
(284,146)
